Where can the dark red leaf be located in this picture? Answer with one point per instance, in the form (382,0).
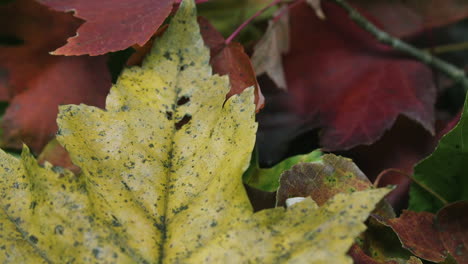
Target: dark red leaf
(408,17)
(30,118)
(400,149)
(350,85)
(359,257)
(452,223)
(111,25)
(37,31)
(35,82)
(418,234)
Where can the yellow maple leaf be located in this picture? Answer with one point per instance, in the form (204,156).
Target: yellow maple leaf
(161,177)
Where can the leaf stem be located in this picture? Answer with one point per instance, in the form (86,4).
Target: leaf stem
(450,70)
(420,184)
(243,25)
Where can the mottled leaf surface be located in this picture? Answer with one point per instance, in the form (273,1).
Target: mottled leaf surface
(322,180)
(360,257)
(439,238)
(161,177)
(111,25)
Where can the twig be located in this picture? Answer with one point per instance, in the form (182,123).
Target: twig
(284,10)
(450,70)
(416,181)
(454,47)
(243,25)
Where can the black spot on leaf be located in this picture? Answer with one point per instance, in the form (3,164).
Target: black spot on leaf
(33,239)
(183,100)
(183,121)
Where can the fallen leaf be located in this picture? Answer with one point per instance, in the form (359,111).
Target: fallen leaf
(161,177)
(350,85)
(37,31)
(419,235)
(381,243)
(111,25)
(404,18)
(438,238)
(56,155)
(359,257)
(267,55)
(227,15)
(231,60)
(268,179)
(453,230)
(443,171)
(30,117)
(399,150)
(141,51)
(225,59)
(322,180)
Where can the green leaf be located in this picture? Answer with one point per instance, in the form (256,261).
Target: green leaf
(441,178)
(161,178)
(227,15)
(267,179)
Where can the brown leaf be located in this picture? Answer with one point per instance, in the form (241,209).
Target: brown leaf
(452,223)
(230,60)
(359,257)
(321,181)
(267,56)
(418,234)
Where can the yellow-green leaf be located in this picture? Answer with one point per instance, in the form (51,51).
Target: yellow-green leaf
(161,178)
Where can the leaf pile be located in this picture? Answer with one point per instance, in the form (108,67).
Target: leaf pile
(160,112)
(161,177)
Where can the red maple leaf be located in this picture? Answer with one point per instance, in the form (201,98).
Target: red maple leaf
(111,25)
(348,84)
(36,82)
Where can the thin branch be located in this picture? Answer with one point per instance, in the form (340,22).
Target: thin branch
(416,181)
(450,70)
(243,25)
(454,47)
